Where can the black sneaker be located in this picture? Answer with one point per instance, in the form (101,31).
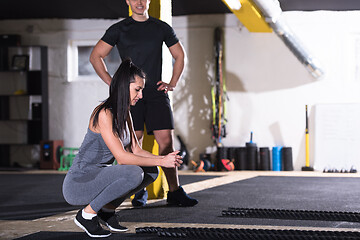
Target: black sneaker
(91,227)
(180,198)
(140,198)
(111,221)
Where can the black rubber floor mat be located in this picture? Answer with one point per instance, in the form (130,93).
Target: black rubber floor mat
(31,196)
(47,235)
(292,214)
(228,233)
(307,193)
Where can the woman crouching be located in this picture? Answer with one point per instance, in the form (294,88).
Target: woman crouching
(93,180)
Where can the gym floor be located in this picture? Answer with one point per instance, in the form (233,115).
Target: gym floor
(32,206)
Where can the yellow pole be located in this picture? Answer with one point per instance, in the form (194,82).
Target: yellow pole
(307,152)
(307,149)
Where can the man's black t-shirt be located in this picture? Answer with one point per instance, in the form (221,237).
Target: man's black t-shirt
(142,42)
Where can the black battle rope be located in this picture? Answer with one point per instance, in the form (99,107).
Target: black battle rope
(291,214)
(230,233)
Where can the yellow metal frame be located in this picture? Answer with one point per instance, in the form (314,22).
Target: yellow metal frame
(250,16)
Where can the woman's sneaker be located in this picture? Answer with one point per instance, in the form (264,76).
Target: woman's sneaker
(180,198)
(111,221)
(91,227)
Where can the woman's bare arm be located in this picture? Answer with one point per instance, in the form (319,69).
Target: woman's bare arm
(123,157)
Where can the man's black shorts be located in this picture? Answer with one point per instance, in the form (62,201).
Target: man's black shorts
(154,110)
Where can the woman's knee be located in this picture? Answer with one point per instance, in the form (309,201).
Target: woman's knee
(135,173)
(131,175)
(151,172)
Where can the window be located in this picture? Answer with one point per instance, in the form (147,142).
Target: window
(79,66)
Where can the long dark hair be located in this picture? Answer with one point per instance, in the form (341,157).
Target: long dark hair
(118,101)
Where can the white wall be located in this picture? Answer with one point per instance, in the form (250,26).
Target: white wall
(267,86)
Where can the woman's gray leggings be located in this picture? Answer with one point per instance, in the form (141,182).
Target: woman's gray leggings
(112,184)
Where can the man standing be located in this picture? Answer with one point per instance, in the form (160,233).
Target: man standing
(140,37)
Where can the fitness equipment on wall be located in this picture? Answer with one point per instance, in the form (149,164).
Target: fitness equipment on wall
(204,164)
(251,154)
(218,91)
(183,153)
(50,154)
(276,158)
(240,159)
(287,160)
(223,163)
(307,151)
(264,159)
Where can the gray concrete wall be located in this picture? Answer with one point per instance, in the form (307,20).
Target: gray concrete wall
(267,86)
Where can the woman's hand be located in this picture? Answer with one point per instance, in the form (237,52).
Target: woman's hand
(163,86)
(172,160)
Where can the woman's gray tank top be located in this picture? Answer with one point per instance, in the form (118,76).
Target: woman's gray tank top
(94,153)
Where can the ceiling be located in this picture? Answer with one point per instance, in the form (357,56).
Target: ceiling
(114,9)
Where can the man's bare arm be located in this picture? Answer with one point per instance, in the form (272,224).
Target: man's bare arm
(97,56)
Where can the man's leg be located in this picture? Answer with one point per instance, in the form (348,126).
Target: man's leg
(176,195)
(140,197)
(166,145)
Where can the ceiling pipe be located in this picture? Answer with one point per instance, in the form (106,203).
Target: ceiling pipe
(272,13)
